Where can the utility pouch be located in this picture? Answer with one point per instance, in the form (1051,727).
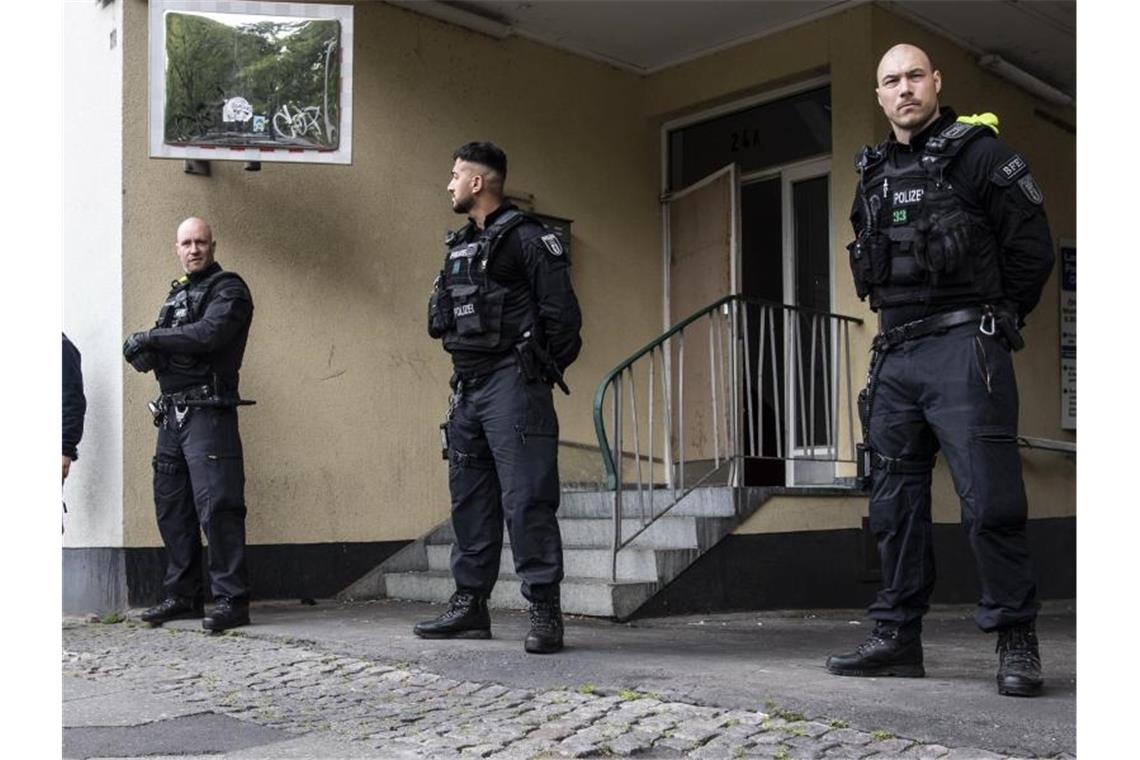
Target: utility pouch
(870,257)
(860,267)
(467,309)
(478,318)
(863,466)
(440,317)
(879,252)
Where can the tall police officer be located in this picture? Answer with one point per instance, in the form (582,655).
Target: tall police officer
(195,350)
(953,249)
(505,310)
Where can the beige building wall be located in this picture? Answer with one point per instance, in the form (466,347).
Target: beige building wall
(343,443)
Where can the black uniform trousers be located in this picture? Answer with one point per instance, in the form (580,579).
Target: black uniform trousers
(199,480)
(503,443)
(953,391)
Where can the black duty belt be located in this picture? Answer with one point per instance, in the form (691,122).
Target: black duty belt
(473,379)
(197,393)
(919,328)
(203,395)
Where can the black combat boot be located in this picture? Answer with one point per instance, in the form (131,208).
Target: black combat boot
(466,617)
(174,608)
(546,629)
(888,651)
(228,613)
(1019,671)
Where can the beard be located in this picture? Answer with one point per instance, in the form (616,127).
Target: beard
(463,206)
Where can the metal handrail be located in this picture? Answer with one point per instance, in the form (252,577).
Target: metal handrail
(730,392)
(599,394)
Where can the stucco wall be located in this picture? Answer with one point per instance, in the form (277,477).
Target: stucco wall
(342,445)
(92,240)
(343,442)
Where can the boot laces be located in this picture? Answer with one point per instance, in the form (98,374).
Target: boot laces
(881,634)
(1018,647)
(460,604)
(544,616)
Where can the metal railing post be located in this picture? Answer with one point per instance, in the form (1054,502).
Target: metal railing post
(617,467)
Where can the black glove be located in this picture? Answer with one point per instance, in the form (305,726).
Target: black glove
(1009,324)
(134,351)
(942,242)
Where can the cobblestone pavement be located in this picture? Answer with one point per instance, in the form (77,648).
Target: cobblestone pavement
(405,712)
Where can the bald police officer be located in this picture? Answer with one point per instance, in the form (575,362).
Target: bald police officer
(195,350)
(505,310)
(953,249)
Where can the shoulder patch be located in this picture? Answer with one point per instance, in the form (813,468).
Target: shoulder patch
(553,244)
(1009,171)
(1031,190)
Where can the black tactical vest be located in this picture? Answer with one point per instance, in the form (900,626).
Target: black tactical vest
(185,305)
(895,199)
(467,307)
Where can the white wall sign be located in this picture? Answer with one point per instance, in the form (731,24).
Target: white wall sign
(251,81)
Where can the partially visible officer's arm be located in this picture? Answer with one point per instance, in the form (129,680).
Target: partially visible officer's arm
(559,317)
(229,312)
(74,402)
(1013,203)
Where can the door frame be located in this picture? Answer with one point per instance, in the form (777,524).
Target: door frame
(740,104)
(798,172)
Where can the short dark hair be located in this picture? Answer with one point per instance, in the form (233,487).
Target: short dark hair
(486,153)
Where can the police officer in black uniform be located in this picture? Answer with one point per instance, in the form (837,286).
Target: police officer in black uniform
(505,310)
(195,350)
(953,248)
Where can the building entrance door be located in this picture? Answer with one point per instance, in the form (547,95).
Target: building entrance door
(703,264)
(789,356)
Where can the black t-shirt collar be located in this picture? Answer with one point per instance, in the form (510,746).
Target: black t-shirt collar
(202,274)
(946,117)
(491,217)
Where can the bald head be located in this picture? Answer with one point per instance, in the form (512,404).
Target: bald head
(907,87)
(902,51)
(194,244)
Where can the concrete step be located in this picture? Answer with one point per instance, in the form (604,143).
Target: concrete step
(580,596)
(669,532)
(714,501)
(644,565)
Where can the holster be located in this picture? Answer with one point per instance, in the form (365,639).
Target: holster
(529,364)
(1007,326)
(537,364)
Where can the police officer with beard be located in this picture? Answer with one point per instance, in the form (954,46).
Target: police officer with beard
(953,248)
(505,310)
(195,350)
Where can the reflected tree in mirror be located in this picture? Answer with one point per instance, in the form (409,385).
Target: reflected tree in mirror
(249,81)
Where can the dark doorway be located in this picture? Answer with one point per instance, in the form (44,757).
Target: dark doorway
(762,277)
